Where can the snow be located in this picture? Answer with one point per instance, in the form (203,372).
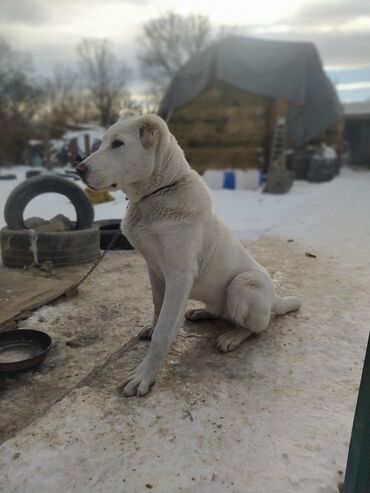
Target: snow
(332,215)
(274,416)
(94,133)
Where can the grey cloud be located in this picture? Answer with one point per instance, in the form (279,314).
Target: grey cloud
(329,13)
(36,12)
(23,11)
(336,48)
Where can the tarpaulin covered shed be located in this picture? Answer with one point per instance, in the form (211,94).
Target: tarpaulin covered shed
(288,72)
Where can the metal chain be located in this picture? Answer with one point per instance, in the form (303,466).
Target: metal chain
(98,260)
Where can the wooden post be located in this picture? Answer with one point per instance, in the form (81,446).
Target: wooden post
(358,463)
(73,151)
(87,144)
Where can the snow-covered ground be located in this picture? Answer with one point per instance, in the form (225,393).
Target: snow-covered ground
(273,416)
(332,215)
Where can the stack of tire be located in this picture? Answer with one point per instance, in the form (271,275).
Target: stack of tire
(22,247)
(321,169)
(338,165)
(301,164)
(311,166)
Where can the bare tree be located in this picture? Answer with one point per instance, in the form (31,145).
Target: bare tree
(19,101)
(61,98)
(168,42)
(104,76)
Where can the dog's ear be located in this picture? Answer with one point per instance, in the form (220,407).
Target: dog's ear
(149,132)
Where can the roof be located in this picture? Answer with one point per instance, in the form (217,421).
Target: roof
(360,109)
(277,69)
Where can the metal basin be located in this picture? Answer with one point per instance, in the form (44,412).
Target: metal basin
(21,349)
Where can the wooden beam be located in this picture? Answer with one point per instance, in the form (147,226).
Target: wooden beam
(358,464)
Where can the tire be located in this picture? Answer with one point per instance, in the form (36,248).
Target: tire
(61,249)
(32,172)
(31,188)
(70,173)
(8,177)
(108,229)
(321,169)
(338,165)
(69,176)
(301,164)
(279,181)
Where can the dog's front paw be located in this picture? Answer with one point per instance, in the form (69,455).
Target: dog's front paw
(146,332)
(138,382)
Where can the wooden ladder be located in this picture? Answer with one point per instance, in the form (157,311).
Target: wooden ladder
(278,146)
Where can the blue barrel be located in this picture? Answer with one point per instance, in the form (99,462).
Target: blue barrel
(263,178)
(229,180)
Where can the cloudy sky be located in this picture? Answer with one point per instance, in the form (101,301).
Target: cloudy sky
(50,30)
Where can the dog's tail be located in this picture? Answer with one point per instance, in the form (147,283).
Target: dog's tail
(286,304)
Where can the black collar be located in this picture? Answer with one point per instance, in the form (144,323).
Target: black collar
(158,190)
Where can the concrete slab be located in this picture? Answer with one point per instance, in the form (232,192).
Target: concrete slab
(275,415)
(85,330)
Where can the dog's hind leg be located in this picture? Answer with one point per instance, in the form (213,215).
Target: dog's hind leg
(249,307)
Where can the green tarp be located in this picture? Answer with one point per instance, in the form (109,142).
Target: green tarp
(288,70)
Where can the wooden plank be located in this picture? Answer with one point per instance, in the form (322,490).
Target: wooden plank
(358,464)
(23,292)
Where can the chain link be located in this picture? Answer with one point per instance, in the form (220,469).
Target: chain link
(98,260)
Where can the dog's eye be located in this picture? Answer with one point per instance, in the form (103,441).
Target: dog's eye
(117,143)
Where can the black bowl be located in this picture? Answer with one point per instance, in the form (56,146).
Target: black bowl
(21,349)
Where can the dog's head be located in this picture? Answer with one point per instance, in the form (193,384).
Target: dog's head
(126,155)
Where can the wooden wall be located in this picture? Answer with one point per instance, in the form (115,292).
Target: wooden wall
(223,127)
(227,128)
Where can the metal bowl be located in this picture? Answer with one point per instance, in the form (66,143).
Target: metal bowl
(21,349)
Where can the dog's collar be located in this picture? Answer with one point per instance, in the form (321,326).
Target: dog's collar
(158,190)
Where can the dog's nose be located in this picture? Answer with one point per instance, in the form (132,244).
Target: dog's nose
(81,169)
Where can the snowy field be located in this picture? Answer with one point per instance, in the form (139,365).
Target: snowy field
(273,416)
(333,216)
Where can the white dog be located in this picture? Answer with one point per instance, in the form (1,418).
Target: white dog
(189,252)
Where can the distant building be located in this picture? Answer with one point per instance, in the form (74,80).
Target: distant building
(224,105)
(357,132)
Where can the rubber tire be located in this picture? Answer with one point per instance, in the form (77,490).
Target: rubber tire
(62,249)
(106,235)
(301,164)
(321,169)
(32,172)
(279,181)
(8,177)
(32,187)
(68,176)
